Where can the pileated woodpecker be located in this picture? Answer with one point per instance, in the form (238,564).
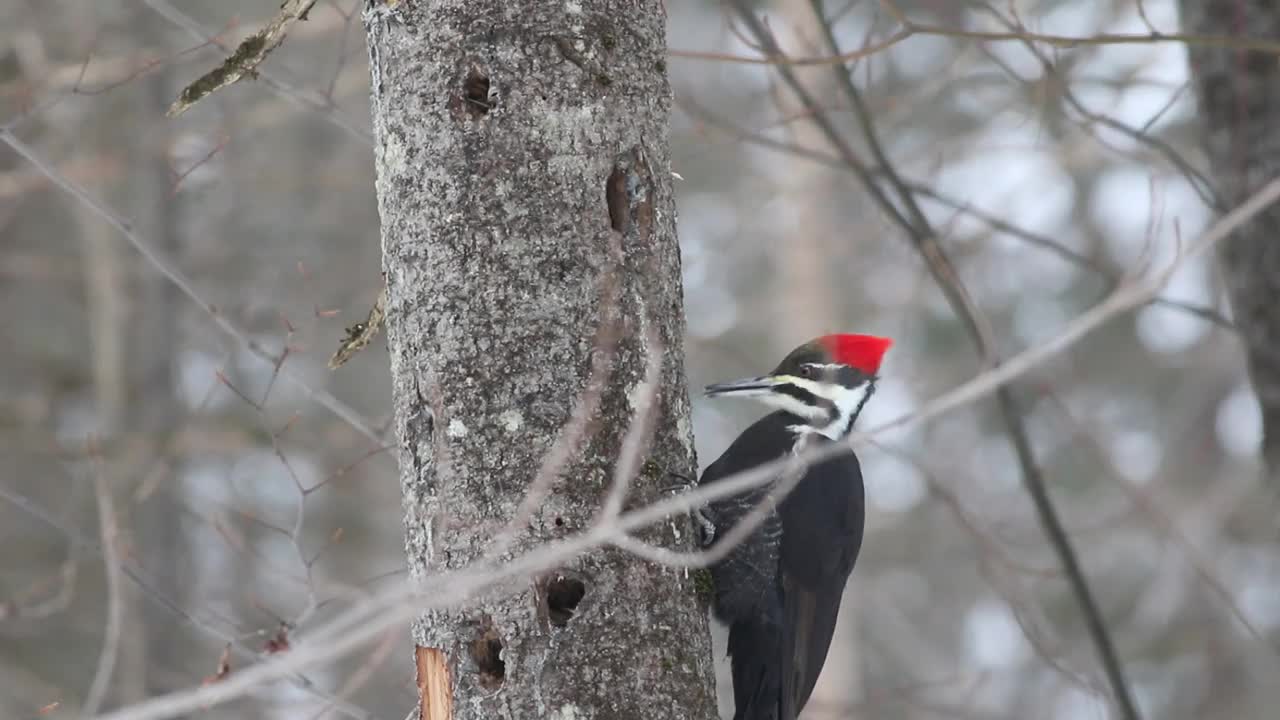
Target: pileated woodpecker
(779,591)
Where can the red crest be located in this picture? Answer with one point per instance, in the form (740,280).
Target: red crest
(863,352)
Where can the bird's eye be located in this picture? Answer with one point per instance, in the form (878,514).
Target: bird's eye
(806,371)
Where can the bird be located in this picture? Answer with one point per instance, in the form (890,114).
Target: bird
(779,590)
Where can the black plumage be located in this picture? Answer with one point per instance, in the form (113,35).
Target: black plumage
(779,591)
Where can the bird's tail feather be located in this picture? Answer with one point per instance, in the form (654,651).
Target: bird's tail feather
(755,646)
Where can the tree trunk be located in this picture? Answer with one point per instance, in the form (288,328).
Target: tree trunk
(528,230)
(1239,94)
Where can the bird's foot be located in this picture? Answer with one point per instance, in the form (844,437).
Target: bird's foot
(687,484)
(706,527)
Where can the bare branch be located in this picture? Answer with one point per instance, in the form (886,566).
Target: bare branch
(772,58)
(922,190)
(180,280)
(640,432)
(150,588)
(1149,505)
(1196,179)
(910,28)
(245,60)
(788,479)
(115,590)
(362,333)
(20,607)
(399,604)
(912,220)
(580,426)
(304,99)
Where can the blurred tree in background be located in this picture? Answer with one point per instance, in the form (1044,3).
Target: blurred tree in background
(1239,107)
(1051,148)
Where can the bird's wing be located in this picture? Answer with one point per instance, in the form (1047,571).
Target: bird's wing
(756,651)
(754,563)
(824,522)
(809,623)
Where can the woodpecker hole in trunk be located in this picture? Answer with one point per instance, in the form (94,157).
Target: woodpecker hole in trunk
(475,94)
(563,595)
(617,199)
(486,653)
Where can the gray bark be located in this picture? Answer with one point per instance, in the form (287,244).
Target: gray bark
(522,154)
(1239,92)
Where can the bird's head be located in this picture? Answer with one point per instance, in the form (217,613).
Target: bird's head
(824,382)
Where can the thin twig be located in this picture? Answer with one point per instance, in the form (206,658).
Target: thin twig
(726,543)
(368,669)
(244,62)
(640,430)
(926,242)
(180,280)
(911,219)
(580,426)
(303,99)
(778,59)
(1196,179)
(399,604)
(1131,294)
(1149,505)
(911,28)
(1202,312)
(1114,278)
(151,589)
(115,590)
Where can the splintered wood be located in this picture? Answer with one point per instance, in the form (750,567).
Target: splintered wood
(435,698)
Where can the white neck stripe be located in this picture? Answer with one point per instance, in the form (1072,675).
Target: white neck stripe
(846,400)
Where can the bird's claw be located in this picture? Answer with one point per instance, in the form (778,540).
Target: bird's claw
(706,527)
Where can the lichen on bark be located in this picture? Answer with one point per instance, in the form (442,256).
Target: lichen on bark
(510,180)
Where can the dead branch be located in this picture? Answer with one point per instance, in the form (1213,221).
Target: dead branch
(581,426)
(115,591)
(362,333)
(909,28)
(180,280)
(640,430)
(245,60)
(913,222)
(364,622)
(304,99)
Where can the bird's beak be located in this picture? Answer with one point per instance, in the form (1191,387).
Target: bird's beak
(749,387)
